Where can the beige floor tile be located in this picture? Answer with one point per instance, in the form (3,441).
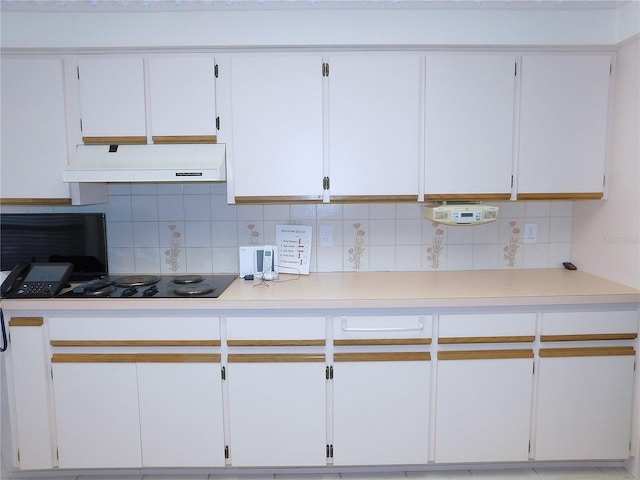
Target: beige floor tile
(320,476)
(374,476)
(613,473)
(441,475)
(570,473)
(505,474)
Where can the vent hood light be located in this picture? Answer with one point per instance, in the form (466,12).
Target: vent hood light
(148,163)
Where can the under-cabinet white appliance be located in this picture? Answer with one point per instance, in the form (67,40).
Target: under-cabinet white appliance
(204,162)
(462,213)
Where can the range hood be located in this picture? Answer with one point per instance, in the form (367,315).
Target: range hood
(202,162)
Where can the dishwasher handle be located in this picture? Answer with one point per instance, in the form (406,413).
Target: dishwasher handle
(418,328)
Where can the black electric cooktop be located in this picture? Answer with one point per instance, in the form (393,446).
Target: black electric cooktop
(153,286)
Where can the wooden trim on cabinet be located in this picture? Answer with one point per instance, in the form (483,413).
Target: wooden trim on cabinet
(26,322)
(352,342)
(34,201)
(586,352)
(382,357)
(173,139)
(135,343)
(372,198)
(277,343)
(274,357)
(136,357)
(484,354)
(505,339)
(439,197)
(93,358)
(178,357)
(588,337)
(278,199)
(133,140)
(560,196)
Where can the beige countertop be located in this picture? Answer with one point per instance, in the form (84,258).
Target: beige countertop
(481,288)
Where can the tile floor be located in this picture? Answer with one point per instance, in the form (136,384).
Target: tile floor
(539,473)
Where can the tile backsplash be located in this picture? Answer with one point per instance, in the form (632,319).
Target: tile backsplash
(165,228)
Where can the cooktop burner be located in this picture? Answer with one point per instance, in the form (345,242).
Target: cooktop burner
(152,286)
(187,279)
(135,280)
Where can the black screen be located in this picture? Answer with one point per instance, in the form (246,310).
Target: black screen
(77,238)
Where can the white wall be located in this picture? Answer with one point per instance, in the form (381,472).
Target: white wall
(310,26)
(606,234)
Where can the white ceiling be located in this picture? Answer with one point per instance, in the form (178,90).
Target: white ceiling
(191,5)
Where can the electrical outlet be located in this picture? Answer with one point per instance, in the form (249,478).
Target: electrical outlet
(326,236)
(530,232)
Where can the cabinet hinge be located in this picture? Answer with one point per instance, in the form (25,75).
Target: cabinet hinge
(223,372)
(326,183)
(329,373)
(215,70)
(329,451)
(226,452)
(217,123)
(325,69)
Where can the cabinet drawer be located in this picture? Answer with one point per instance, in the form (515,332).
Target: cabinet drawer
(382,329)
(276,331)
(134,329)
(606,325)
(487,328)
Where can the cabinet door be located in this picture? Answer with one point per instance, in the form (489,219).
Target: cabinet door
(584,403)
(97,417)
(112,97)
(277,409)
(483,406)
(469,124)
(381,408)
(32,141)
(277,126)
(374,124)
(28,380)
(563,125)
(181,412)
(182,97)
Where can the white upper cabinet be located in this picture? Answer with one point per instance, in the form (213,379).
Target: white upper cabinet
(469,111)
(182,97)
(34,137)
(112,97)
(276,103)
(374,125)
(563,125)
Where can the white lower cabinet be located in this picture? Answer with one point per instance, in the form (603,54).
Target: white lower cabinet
(127,411)
(181,413)
(97,419)
(381,408)
(584,403)
(483,406)
(277,409)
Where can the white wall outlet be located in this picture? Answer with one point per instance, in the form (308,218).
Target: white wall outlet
(530,232)
(326,235)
